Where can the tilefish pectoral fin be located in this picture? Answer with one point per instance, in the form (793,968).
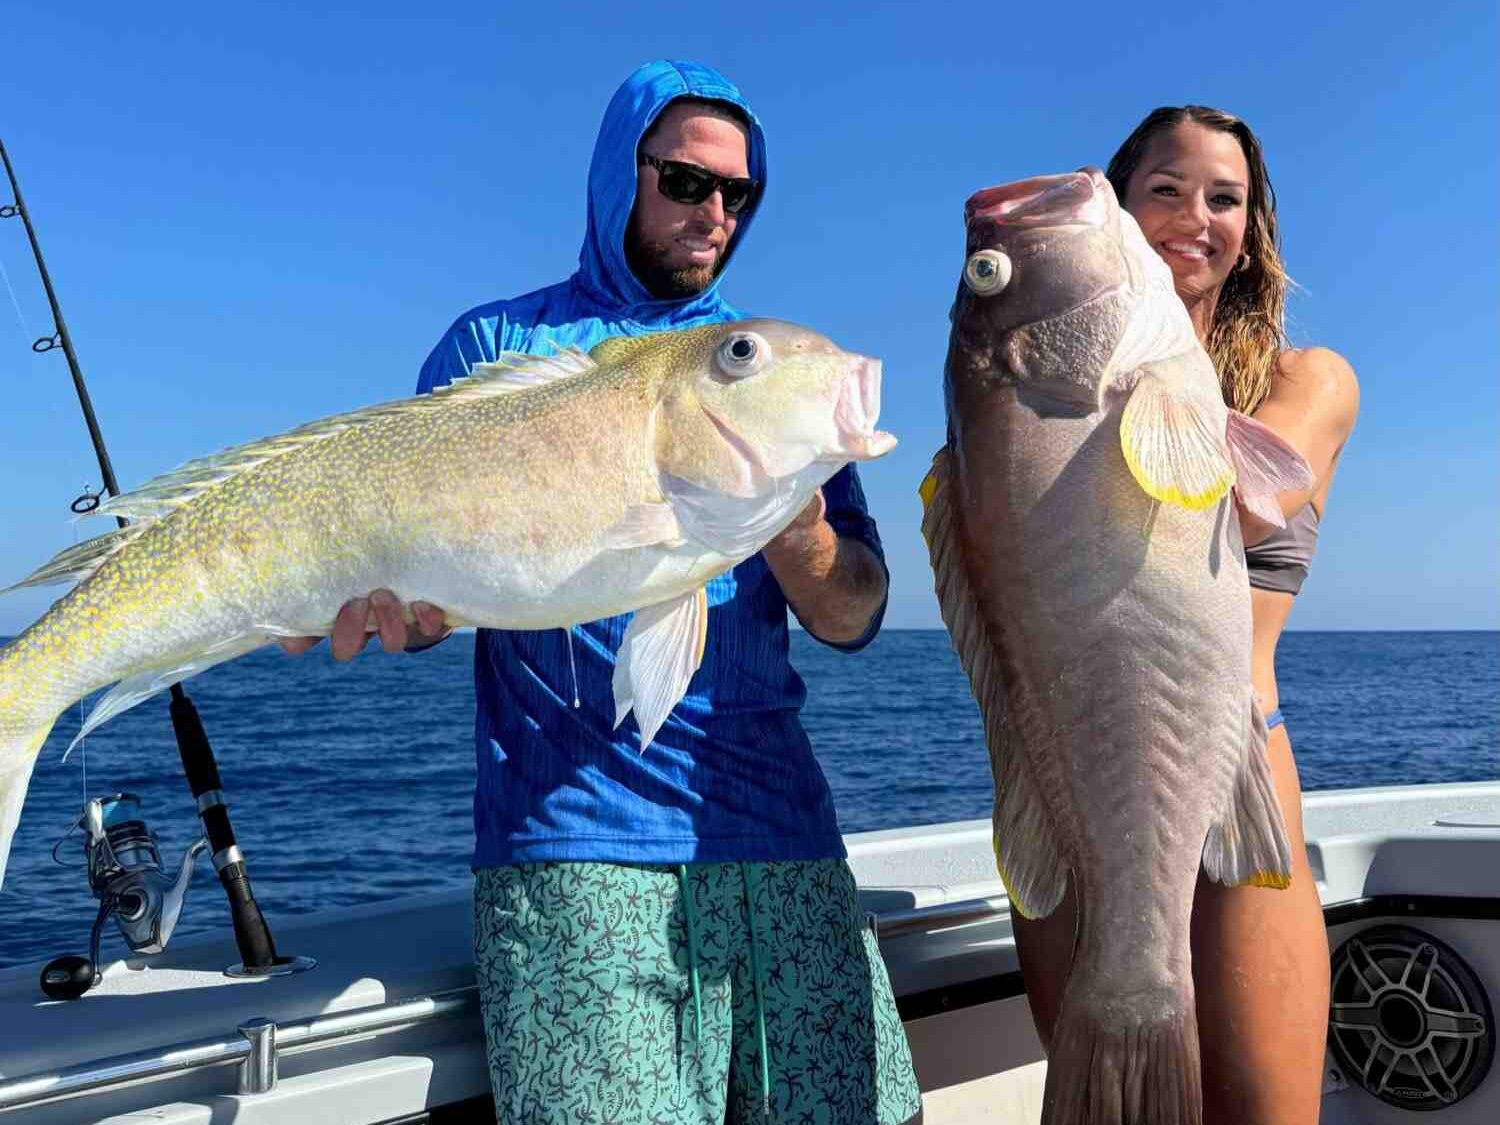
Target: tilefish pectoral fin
(1175,447)
(662,648)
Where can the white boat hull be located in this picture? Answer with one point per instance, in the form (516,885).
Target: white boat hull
(160,1036)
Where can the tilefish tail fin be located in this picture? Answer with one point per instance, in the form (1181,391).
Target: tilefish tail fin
(1132,1073)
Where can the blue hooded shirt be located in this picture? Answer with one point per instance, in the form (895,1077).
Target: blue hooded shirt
(730,776)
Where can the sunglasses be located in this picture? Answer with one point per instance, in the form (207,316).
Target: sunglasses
(688,183)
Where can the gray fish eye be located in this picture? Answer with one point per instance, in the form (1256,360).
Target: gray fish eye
(743,354)
(987,272)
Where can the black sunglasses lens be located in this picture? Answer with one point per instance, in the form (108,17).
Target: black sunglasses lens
(736,195)
(684,185)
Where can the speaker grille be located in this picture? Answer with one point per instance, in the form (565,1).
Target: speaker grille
(1409,1020)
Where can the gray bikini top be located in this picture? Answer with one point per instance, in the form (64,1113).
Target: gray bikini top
(1280,561)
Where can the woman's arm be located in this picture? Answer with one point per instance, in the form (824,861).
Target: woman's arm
(1313,402)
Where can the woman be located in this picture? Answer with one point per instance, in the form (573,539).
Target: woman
(1196,183)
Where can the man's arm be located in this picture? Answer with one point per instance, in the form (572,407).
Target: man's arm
(834,583)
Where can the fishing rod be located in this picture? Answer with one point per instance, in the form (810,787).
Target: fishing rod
(124,863)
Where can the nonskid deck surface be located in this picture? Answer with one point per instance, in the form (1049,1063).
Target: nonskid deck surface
(944,929)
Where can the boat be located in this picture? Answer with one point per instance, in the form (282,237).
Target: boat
(375,1020)
(384,1028)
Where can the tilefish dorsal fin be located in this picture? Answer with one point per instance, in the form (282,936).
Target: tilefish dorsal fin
(77,562)
(512,372)
(620,349)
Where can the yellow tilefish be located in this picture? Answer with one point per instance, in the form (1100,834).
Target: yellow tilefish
(538,493)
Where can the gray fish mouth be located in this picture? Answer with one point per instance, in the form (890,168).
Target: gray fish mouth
(1075,198)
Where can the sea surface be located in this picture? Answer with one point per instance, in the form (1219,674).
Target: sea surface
(353,783)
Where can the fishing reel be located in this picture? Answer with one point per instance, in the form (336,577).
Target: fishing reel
(126,875)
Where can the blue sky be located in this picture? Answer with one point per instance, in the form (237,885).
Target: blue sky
(259,214)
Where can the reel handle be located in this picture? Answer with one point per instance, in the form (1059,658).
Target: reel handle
(69,977)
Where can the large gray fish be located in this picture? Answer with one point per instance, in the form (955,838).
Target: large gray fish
(1088,561)
(537,493)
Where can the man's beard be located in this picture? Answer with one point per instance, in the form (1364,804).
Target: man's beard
(647,261)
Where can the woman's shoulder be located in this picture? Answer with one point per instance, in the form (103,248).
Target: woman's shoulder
(1323,369)
(1317,378)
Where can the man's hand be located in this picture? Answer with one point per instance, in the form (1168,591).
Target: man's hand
(834,585)
(382,609)
(808,518)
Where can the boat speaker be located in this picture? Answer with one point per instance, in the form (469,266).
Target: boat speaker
(1409,1021)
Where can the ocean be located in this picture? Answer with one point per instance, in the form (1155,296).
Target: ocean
(353,783)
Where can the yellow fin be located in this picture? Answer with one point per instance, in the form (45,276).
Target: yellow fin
(1174,449)
(511,372)
(929,486)
(1017,900)
(1026,845)
(1248,845)
(78,562)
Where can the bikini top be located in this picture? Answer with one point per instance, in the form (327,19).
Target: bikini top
(1280,561)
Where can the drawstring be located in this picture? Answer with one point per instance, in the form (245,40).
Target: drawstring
(760,1005)
(692,936)
(755,970)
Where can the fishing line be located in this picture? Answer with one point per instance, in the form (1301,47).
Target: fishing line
(83,743)
(15,304)
(83,760)
(572,667)
(1150,524)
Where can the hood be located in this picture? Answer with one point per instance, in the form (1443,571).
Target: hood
(602,270)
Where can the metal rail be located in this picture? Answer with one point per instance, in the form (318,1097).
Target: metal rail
(259,1043)
(252,1048)
(894,923)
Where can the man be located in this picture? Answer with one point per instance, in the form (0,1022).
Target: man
(671,936)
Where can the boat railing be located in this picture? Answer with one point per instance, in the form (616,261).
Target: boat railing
(255,1048)
(894,923)
(257,1044)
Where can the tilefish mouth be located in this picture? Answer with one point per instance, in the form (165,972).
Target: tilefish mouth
(1077,198)
(857,411)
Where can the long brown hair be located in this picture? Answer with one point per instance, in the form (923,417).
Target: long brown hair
(1249,326)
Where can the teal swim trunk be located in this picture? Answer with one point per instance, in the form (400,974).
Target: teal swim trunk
(747,993)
